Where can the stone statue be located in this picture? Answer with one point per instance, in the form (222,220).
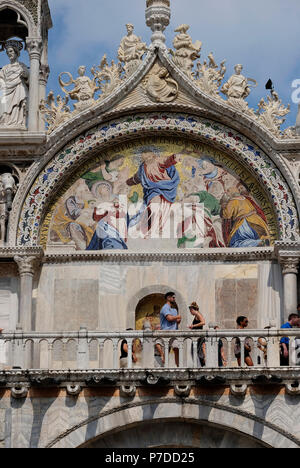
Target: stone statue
(83,91)
(185,51)
(159,86)
(131,51)
(13,88)
(238,88)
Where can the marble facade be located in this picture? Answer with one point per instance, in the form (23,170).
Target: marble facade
(132,128)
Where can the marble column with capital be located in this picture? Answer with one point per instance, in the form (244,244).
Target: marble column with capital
(290,268)
(34,47)
(27,267)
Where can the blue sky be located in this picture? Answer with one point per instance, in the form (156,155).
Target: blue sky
(263,35)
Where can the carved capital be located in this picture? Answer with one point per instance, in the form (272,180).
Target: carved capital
(290,265)
(26,264)
(44,74)
(34,46)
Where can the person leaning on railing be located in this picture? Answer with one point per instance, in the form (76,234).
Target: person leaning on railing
(285,342)
(124,353)
(242,323)
(198,324)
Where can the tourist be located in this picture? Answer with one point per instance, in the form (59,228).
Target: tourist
(285,342)
(222,361)
(198,324)
(242,324)
(170,320)
(124,353)
(159,350)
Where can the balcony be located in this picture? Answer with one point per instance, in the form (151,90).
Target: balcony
(83,359)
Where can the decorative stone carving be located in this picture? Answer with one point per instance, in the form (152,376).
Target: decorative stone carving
(73,390)
(26,264)
(159,86)
(158,14)
(290,265)
(34,46)
(131,51)
(7,191)
(13,89)
(55,112)
(83,91)
(185,51)
(19,391)
(128,391)
(237,89)
(270,113)
(182,390)
(238,390)
(44,74)
(209,76)
(293,389)
(108,78)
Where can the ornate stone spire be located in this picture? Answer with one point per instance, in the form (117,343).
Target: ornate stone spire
(158,14)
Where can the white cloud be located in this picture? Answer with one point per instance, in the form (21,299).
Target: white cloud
(261,35)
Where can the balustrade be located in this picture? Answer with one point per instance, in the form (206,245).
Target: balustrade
(85,350)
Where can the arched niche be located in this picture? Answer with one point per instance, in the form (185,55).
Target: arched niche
(148,309)
(32,204)
(16,20)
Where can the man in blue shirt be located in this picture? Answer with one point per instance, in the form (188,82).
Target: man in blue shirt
(170,320)
(285,342)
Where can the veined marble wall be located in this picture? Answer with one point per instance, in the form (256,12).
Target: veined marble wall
(105,296)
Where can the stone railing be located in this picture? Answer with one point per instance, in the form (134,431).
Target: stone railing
(86,350)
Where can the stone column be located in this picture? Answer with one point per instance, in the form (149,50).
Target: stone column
(27,266)
(44,75)
(34,47)
(290,271)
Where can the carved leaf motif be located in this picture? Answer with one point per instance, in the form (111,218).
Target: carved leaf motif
(271,112)
(55,112)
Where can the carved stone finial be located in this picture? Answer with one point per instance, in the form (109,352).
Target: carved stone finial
(158,15)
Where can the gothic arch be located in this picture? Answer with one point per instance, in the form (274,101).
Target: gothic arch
(219,416)
(31,202)
(21,11)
